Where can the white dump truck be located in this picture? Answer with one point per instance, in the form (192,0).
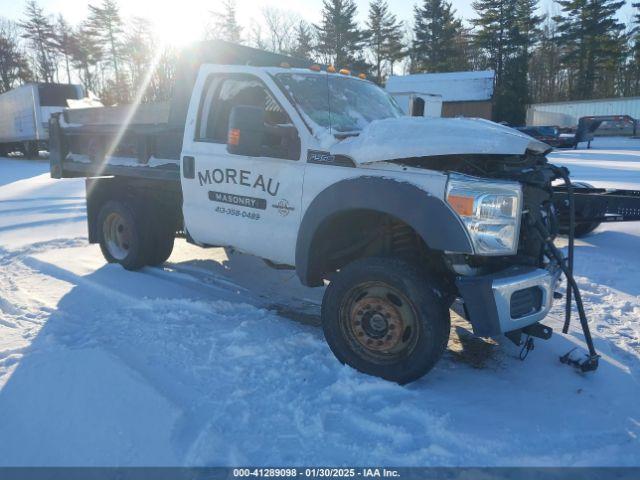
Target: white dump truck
(400,218)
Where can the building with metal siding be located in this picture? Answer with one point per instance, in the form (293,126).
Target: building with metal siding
(566,114)
(464,94)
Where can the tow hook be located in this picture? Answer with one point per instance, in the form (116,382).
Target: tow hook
(537,330)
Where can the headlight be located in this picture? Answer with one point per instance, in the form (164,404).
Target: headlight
(490,210)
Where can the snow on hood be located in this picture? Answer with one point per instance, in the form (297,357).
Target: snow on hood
(406,137)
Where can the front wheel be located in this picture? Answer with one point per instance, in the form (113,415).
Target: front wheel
(384,317)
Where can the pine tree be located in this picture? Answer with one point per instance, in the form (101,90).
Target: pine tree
(547,79)
(383,36)
(506,33)
(225,24)
(438,36)
(397,49)
(339,39)
(106,25)
(63,42)
(86,54)
(591,38)
(635,52)
(304,41)
(39,31)
(14,67)
(494,27)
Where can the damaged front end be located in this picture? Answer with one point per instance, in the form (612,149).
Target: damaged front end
(508,285)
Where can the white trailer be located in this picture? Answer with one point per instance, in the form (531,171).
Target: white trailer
(567,114)
(25,113)
(417,104)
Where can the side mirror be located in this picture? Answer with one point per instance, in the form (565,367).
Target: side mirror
(246,131)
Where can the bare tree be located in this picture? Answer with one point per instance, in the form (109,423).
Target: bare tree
(14,67)
(255,36)
(138,50)
(63,42)
(281,27)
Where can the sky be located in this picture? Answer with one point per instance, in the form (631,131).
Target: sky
(179,22)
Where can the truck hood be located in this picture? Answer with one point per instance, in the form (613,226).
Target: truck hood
(407,137)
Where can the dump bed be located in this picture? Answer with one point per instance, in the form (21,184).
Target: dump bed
(108,145)
(145,140)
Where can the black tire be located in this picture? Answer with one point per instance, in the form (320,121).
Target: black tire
(31,151)
(360,312)
(161,246)
(122,235)
(584,229)
(581,229)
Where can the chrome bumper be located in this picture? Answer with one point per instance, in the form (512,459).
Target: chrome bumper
(509,300)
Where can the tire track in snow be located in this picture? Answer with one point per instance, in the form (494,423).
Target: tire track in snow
(22,314)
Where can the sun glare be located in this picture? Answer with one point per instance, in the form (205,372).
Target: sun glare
(177,27)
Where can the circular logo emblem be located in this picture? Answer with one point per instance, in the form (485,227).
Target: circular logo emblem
(283,207)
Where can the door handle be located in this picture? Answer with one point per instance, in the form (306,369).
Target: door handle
(188,167)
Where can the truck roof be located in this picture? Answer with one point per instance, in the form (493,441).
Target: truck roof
(222,53)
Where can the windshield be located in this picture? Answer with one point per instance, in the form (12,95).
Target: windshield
(342,104)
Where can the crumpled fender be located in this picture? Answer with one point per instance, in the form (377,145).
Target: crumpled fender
(428,215)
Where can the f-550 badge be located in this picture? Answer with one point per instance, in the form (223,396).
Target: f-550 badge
(316,156)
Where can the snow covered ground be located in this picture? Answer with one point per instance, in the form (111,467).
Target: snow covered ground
(216,360)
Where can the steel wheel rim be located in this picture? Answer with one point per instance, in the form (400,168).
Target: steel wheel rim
(117,236)
(379,322)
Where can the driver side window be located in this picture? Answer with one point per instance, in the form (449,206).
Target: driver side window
(222,94)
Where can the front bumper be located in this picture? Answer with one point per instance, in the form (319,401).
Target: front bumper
(508,300)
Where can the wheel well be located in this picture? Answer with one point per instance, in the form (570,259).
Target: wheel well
(349,235)
(160,203)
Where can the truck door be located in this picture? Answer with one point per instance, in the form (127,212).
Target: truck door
(249,202)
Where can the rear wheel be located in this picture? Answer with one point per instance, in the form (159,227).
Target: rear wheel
(161,245)
(581,229)
(31,150)
(122,235)
(386,318)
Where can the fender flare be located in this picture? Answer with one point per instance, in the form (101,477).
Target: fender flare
(429,216)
